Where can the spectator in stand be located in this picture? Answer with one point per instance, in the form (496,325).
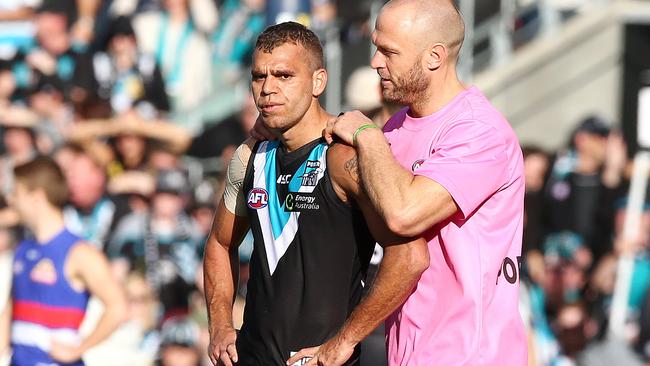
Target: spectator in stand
(583,183)
(180,339)
(180,50)
(92,213)
(162,242)
(232,46)
(55,58)
(128,78)
(132,137)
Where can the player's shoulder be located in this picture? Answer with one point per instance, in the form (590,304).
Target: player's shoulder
(247,146)
(343,167)
(338,154)
(84,253)
(244,151)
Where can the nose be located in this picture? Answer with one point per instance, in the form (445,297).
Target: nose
(269,85)
(377,61)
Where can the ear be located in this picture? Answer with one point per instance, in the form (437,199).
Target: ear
(436,56)
(319,82)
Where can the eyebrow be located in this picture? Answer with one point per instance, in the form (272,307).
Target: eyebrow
(385,49)
(275,72)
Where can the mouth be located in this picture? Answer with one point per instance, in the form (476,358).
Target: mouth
(386,82)
(270,107)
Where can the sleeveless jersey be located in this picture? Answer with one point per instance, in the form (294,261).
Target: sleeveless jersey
(310,257)
(44,305)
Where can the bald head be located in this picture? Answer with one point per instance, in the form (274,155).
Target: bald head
(428,22)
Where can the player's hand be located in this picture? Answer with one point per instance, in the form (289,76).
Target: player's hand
(332,353)
(260,133)
(344,126)
(222,350)
(64,353)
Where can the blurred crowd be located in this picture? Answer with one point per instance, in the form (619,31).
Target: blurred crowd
(142,104)
(576,206)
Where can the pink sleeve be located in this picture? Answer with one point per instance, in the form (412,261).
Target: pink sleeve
(470,161)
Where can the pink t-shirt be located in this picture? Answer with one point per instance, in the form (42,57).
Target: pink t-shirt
(464,310)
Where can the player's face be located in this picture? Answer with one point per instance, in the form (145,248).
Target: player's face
(398,62)
(283,85)
(22,200)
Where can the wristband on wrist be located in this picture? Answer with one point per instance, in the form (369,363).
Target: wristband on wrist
(360,129)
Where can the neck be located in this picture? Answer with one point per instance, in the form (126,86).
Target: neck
(49,223)
(439,94)
(309,128)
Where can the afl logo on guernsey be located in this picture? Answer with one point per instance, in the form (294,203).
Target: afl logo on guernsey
(258,198)
(417,164)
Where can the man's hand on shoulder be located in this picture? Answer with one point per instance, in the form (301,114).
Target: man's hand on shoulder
(346,126)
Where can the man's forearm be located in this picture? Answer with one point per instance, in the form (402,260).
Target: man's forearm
(398,274)
(382,176)
(221,274)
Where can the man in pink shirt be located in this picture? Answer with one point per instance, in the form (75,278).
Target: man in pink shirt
(449,168)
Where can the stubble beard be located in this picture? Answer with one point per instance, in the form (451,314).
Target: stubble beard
(409,88)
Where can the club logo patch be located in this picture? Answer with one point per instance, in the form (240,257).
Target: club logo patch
(258,198)
(44,272)
(417,164)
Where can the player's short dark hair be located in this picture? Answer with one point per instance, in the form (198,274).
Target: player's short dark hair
(295,33)
(43,173)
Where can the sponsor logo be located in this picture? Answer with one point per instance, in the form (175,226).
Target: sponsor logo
(284,179)
(310,179)
(44,272)
(296,202)
(510,270)
(258,198)
(417,164)
(314,164)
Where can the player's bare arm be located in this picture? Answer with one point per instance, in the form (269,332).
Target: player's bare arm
(221,261)
(404,261)
(409,204)
(88,268)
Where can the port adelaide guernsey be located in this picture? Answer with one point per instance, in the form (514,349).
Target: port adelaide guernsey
(310,257)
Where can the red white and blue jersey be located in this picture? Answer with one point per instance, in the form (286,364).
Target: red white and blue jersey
(45,306)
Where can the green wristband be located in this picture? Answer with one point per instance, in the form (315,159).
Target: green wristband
(358,131)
